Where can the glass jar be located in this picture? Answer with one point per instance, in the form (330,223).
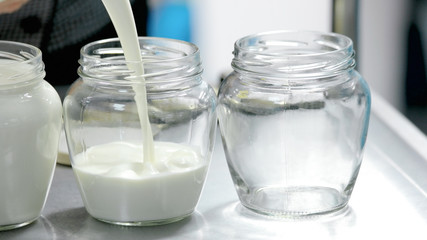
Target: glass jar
(294,118)
(118,181)
(30,124)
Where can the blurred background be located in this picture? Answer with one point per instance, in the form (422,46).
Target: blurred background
(391,38)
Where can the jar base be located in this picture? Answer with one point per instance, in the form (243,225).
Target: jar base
(145,223)
(295,202)
(16,225)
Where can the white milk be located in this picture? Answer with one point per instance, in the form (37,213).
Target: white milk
(30,122)
(120,12)
(116,187)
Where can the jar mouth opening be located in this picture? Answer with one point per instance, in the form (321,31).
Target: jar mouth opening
(20,63)
(288,53)
(162,58)
(101,49)
(294,41)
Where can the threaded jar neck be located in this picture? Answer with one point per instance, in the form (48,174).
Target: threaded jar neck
(293,55)
(165,61)
(20,64)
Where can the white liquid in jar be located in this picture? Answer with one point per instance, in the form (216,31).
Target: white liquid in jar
(30,123)
(117,188)
(9,69)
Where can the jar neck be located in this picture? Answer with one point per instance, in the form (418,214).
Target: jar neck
(293,57)
(20,65)
(166,62)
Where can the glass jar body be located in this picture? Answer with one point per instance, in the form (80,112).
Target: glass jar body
(294,145)
(30,120)
(120,186)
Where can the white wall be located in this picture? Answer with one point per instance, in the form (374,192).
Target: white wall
(382,47)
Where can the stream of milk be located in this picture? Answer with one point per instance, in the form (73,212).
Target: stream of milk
(121,15)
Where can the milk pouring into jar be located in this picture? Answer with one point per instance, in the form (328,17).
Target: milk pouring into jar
(151,181)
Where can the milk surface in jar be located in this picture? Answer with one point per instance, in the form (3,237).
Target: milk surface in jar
(30,123)
(135,192)
(124,176)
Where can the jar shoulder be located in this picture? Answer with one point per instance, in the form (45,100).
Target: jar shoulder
(38,101)
(83,93)
(235,83)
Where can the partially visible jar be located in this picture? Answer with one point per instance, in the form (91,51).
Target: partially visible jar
(30,124)
(106,138)
(294,118)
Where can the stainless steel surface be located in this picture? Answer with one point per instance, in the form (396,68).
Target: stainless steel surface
(389,200)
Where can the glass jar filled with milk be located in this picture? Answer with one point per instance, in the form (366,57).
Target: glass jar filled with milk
(294,118)
(30,125)
(140,145)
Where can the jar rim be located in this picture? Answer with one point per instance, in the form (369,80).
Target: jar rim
(163,59)
(19,54)
(294,54)
(25,58)
(348,43)
(157,39)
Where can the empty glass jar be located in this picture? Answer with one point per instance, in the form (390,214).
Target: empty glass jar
(104,122)
(294,119)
